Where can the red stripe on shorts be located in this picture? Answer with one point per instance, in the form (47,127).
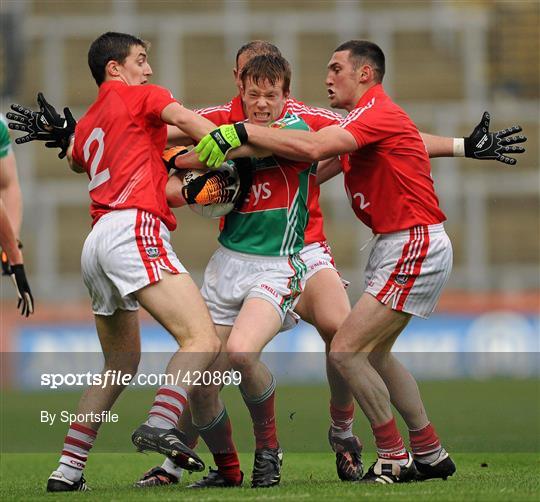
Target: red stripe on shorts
(141,239)
(407,264)
(416,266)
(165,262)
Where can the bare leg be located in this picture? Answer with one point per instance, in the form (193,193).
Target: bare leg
(119,338)
(369,324)
(256,324)
(402,387)
(175,302)
(120,342)
(325,305)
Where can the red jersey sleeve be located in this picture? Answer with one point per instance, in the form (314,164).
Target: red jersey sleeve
(157,98)
(370,123)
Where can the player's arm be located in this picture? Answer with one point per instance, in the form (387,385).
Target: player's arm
(291,144)
(173,190)
(481,144)
(327,169)
(11,247)
(8,241)
(190,124)
(10,191)
(305,146)
(177,137)
(76,168)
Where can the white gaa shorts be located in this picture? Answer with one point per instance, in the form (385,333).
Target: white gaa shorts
(231,278)
(318,256)
(410,268)
(125,251)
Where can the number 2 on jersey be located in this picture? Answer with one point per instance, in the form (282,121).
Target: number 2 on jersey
(96,178)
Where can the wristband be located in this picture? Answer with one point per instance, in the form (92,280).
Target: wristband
(241,131)
(459,147)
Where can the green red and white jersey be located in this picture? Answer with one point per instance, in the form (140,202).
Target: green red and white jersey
(316,118)
(5,141)
(388,178)
(273,218)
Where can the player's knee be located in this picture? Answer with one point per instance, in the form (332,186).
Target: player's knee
(241,360)
(205,340)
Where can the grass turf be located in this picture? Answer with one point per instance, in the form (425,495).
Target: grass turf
(493,422)
(306,476)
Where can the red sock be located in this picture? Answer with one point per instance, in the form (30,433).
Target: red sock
(262,414)
(424,441)
(342,420)
(218,437)
(388,440)
(167,407)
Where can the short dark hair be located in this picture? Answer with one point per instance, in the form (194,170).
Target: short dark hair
(257,48)
(267,67)
(110,46)
(362,52)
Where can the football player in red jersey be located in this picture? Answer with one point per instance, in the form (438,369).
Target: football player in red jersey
(127,258)
(412,258)
(323,302)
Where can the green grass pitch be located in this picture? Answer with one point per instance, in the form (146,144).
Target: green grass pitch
(491,428)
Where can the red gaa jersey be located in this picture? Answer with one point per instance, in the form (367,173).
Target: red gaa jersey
(119,142)
(388,179)
(315,118)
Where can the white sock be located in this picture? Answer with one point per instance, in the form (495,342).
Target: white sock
(431,457)
(70,472)
(172,468)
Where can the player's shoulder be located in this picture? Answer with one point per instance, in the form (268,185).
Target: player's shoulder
(290,121)
(308,111)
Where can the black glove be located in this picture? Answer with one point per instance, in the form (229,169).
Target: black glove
(210,188)
(245,169)
(45,125)
(170,154)
(26,300)
(485,145)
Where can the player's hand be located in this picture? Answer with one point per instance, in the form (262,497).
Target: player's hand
(210,188)
(214,146)
(485,145)
(63,128)
(26,300)
(46,125)
(170,155)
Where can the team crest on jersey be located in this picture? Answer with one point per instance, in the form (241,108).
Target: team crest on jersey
(401,279)
(152,252)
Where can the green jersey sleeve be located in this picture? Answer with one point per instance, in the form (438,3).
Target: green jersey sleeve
(5,141)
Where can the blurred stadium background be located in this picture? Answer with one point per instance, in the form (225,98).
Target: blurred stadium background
(447,62)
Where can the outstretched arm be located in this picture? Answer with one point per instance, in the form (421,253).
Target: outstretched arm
(481,144)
